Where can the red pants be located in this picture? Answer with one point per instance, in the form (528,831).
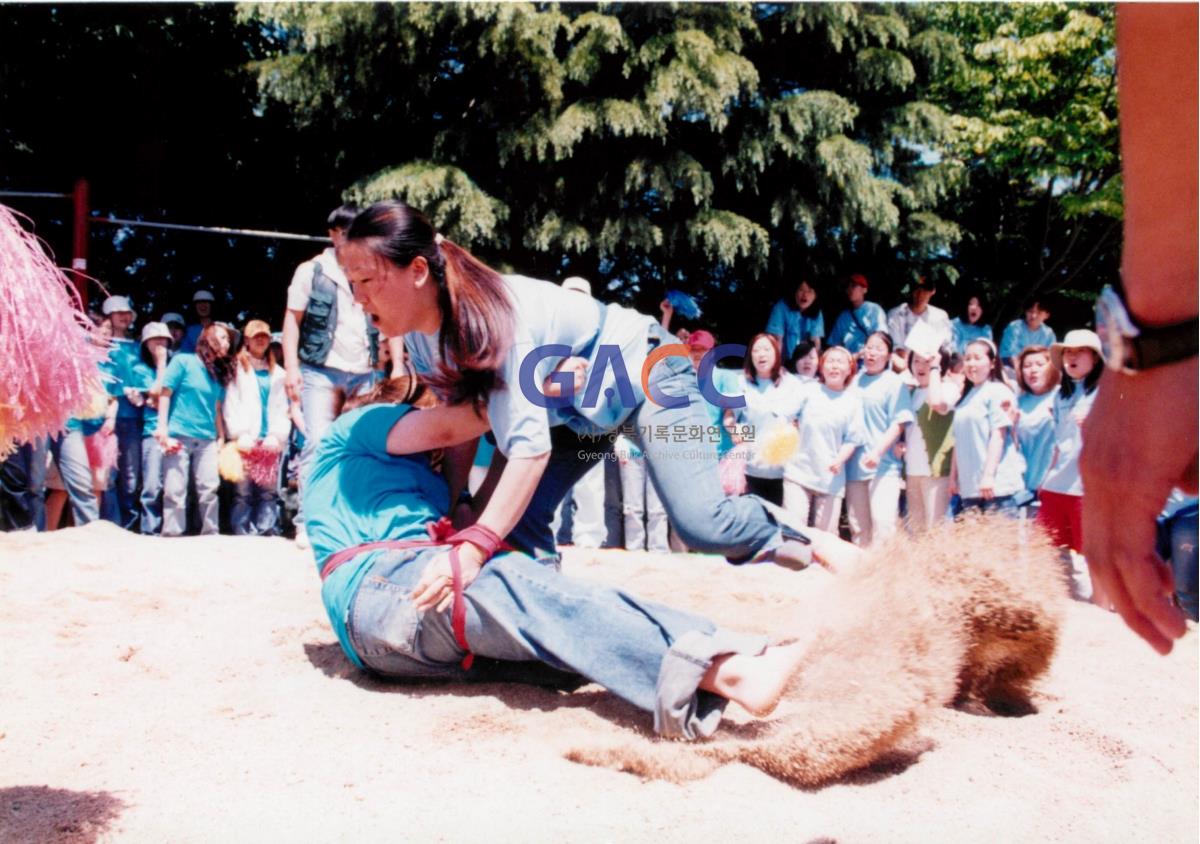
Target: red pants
(1062,517)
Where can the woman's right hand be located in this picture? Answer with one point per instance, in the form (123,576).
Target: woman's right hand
(293,383)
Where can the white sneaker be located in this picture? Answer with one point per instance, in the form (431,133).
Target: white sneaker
(301,539)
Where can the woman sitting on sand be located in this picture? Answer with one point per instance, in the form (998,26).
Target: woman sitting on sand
(395,620)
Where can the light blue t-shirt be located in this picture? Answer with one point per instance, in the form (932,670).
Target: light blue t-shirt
(828,421)
(1017,337)
(768,406)
(547,314)
(356,492)
(788,323)
(885,401)
(964,333)
(1035,434)
(851,334)
(195,395)
(982,411)
(1063,475)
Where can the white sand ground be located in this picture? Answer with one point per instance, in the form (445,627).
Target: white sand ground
(191,690)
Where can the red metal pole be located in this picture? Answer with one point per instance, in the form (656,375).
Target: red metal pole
(80,248)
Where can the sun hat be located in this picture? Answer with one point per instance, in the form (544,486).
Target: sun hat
(701,340)
(170,317)
(203,296)
(1080,338)
(578,284)
(116,304)
(152,330)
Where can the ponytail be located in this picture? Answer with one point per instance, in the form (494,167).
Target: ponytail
(476,329)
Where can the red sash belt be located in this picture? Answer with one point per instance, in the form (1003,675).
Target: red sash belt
(440,533)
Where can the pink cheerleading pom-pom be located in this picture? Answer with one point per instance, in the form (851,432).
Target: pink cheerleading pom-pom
(101,450)
(733,474)
(262,465)
(48,366)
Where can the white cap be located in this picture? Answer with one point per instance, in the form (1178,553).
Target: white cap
(115,304)
(171,316)
(152,330)
(203,296)
(580,285)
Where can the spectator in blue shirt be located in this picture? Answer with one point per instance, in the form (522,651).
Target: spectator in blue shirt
(1030,331)
(861,320)
(970,325)
(793,322)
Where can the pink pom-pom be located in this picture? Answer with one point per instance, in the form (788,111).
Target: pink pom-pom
(48,365)
(262,465)
(101,450)
(733,474)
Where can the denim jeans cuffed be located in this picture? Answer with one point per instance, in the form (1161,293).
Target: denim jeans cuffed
(521,610)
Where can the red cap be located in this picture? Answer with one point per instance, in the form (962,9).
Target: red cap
(859,279)
(701,340)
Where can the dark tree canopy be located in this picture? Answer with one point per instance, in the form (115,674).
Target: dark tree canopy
(726,149)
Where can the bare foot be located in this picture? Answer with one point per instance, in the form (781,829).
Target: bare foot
(756,683)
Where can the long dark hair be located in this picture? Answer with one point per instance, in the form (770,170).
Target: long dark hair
(477,316)
(220,367)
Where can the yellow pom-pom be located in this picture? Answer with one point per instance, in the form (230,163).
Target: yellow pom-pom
(229,463)
(779,445)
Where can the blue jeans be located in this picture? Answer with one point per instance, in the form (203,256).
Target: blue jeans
(1006,504)
(255,509)
(520,611)
(197,458)
(686,475)
(1177,545)
(317,396)
(152,488)
(129,470)
(70,456)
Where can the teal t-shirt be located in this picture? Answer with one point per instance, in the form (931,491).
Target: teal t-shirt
(194,398)
(356,492)
(264,394)
(141,377)
(121,359)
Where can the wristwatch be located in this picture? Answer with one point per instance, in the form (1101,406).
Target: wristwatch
(1130,347)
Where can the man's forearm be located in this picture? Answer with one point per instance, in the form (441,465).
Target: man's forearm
(291,341)
(1156,44)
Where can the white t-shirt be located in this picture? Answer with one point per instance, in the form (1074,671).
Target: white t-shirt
(547,314)
(351,350)
(901,320)
(768,406)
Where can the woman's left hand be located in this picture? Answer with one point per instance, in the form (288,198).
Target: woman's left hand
(870,460)
(435,589)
